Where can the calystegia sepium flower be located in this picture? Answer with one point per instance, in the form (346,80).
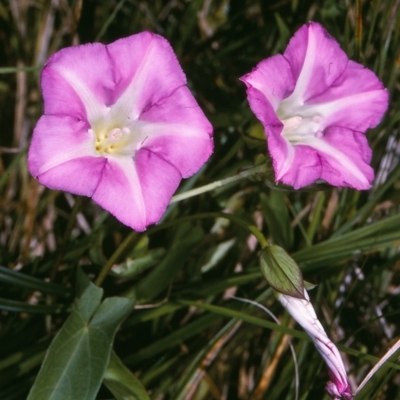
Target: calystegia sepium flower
(315,105)
(304,314)
(120,126)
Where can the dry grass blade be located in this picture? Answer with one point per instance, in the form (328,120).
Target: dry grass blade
(201,372)
(390,354)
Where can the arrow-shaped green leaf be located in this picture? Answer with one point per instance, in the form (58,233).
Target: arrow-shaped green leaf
(122,383)
(79,354)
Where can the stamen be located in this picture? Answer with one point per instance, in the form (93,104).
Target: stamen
(114,141)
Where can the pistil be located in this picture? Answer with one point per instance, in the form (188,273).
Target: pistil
(300,129)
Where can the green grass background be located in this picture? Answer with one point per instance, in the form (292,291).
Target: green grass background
(187,338)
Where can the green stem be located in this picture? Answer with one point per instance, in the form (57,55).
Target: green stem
(14,70)
(114,257)
(217,184)
(76,208)
(237,220)
(190,193)
(132,237)
(109,20)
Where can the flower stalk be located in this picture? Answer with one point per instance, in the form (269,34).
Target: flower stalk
(260,169)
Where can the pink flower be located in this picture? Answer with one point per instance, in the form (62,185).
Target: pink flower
(303,312)
(315,106)
(120,126)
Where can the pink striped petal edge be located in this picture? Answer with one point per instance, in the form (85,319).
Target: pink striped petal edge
(119,126)
(315,105)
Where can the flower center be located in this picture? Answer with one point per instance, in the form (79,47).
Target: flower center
(299,129)
(115,141)
(300,122)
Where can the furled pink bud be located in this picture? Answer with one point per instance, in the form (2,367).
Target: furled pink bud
(303,312)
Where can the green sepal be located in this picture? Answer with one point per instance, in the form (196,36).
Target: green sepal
(281,271)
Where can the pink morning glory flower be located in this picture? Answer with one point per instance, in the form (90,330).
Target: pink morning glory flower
(303,312)
(120,126)
(315,105)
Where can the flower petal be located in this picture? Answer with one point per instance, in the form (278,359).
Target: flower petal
(134,193)
(341,159)
(83,72)
(302,169)
(316,60)
(184,148)
(158,183)
(346,156)
(356,100)
(78,176)
(119,192)
(177,131)
(61,155)
(140,82)
(273,78)
(60,98)
(56,140)
(282,152)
